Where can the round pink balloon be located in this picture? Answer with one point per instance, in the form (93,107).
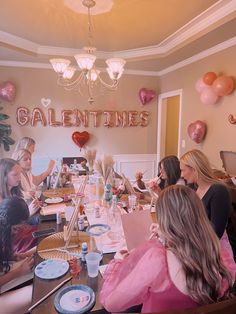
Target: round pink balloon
(146,95)
(7,91)
(200,85)
(223,85)
(208,97)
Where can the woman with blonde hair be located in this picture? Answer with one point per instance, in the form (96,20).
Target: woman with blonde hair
(28,180)
(29,144)
(196,168)
(183,267)
(26,143)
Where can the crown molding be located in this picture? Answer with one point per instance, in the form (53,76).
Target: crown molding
(209,17)
(206,53)
(47,66)
(18,42)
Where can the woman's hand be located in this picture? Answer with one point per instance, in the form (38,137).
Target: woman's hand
(155,230)
(26,266)
(153,185)
(34,206)
(122,254)
(21,256)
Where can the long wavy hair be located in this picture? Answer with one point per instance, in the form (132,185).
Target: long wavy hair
(24,142)
(189,236)
(20,153)
(196,160)
(6,165)
(13,211)
(172,169)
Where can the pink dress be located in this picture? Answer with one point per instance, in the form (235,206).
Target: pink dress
(143,278)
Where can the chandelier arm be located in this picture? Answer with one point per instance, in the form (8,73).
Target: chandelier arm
(112,86)
(70,84)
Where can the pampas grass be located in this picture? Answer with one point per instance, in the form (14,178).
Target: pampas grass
(90,155)
(104,166)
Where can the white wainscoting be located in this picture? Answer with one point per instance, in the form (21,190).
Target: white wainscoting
(130,164)
(126,164)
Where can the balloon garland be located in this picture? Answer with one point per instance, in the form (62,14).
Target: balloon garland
(211,87)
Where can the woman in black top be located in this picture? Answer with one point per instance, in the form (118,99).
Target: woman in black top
(214,194)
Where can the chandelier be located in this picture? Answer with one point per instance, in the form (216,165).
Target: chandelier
(89,76)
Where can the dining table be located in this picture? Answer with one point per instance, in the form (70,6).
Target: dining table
(42,287)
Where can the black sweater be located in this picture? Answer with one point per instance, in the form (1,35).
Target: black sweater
(217,203)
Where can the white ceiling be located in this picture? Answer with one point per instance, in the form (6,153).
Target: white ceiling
(154,36)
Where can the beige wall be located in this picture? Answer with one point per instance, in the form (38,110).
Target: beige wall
(34,84)
(221,135)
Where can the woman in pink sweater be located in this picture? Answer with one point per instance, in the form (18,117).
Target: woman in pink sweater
(183,266)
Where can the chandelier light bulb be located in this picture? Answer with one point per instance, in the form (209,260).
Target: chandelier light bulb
(85,61)
(59,65)
(115,67)
(92,75)
(69,73)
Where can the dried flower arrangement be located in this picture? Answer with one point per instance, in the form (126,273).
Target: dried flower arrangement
(90,155)
(104,166)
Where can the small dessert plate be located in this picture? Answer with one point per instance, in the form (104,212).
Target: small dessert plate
(53,200)
(74,299)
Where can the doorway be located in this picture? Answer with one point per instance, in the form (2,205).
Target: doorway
(169,124)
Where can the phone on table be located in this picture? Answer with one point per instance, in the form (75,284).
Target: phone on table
(43,233)
(51,217)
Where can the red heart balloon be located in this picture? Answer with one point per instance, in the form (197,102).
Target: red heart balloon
(7,91)
(197,131)
(80,138)
(146,95)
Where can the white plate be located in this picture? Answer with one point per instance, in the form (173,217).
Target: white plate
(51,268)
(53,200)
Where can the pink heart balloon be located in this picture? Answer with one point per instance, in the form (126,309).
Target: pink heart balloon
(146,95)
(7,91)
(197,131)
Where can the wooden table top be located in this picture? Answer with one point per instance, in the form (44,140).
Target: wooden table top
(41,287)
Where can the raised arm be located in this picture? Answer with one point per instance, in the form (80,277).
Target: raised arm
(39,178)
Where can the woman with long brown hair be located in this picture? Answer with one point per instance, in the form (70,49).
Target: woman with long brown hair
(13,211)
(183,267)
(169,173)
